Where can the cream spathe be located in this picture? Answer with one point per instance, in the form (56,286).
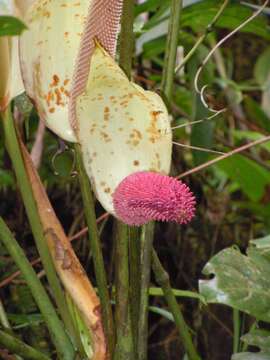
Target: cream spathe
(48,52)
(122,128)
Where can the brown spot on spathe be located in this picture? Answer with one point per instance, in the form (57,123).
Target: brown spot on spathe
(153,130)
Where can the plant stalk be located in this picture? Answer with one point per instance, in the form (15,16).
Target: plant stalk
(20,348)
(171,49)
(13,148)
(135,277)
(124,346)
(163,280)
(161,275)
(89,209)
(55,326)
(126,39)
(145,266)
(125,343)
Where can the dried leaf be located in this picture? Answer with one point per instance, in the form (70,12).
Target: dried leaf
(67,264)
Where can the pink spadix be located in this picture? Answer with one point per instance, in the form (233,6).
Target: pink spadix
(145,196)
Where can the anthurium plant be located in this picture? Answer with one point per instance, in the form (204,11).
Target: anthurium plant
(122,129)
(73,61)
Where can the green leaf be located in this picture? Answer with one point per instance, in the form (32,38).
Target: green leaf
(183,98)
(251,177)
(202,133)
(9,26)
(166,314)
(198,16)
(24,320)
(256,114)
(262,246)
(159,16)
(63,164)
(242,282)
(6,179)
(251,356)
(261,69)
(259,338)
(252,136)
(150,5)
(83,331)
(154,47)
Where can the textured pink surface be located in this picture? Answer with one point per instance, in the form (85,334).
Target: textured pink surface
(145,196)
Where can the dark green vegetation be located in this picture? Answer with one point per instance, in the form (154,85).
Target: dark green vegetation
(224,253)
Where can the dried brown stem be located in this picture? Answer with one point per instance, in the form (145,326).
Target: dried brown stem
(225,156)
(66,263)
(34,262)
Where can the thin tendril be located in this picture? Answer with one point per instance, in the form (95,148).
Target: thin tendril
(198,148)
(198,121)
(196,79)
(224,156)
(209,28)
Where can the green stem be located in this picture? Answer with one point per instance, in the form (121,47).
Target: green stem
(135,276)
(20,348)
(163,280)
(124,346)
(3,317)
(171,48)
(24,184)
(236,330)
(55,326)
(161,275)
(5,324)
(126,39)
(201,39)
(146,250)
(89,210)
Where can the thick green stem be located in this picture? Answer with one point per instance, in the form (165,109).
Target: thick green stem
(161,275)
(124,346)
(146,250)
(55,326)
(135,276)
(171,48)
(18,347)
(24,184)
(148,230)
(163,280)
(127,37)
(89,210)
